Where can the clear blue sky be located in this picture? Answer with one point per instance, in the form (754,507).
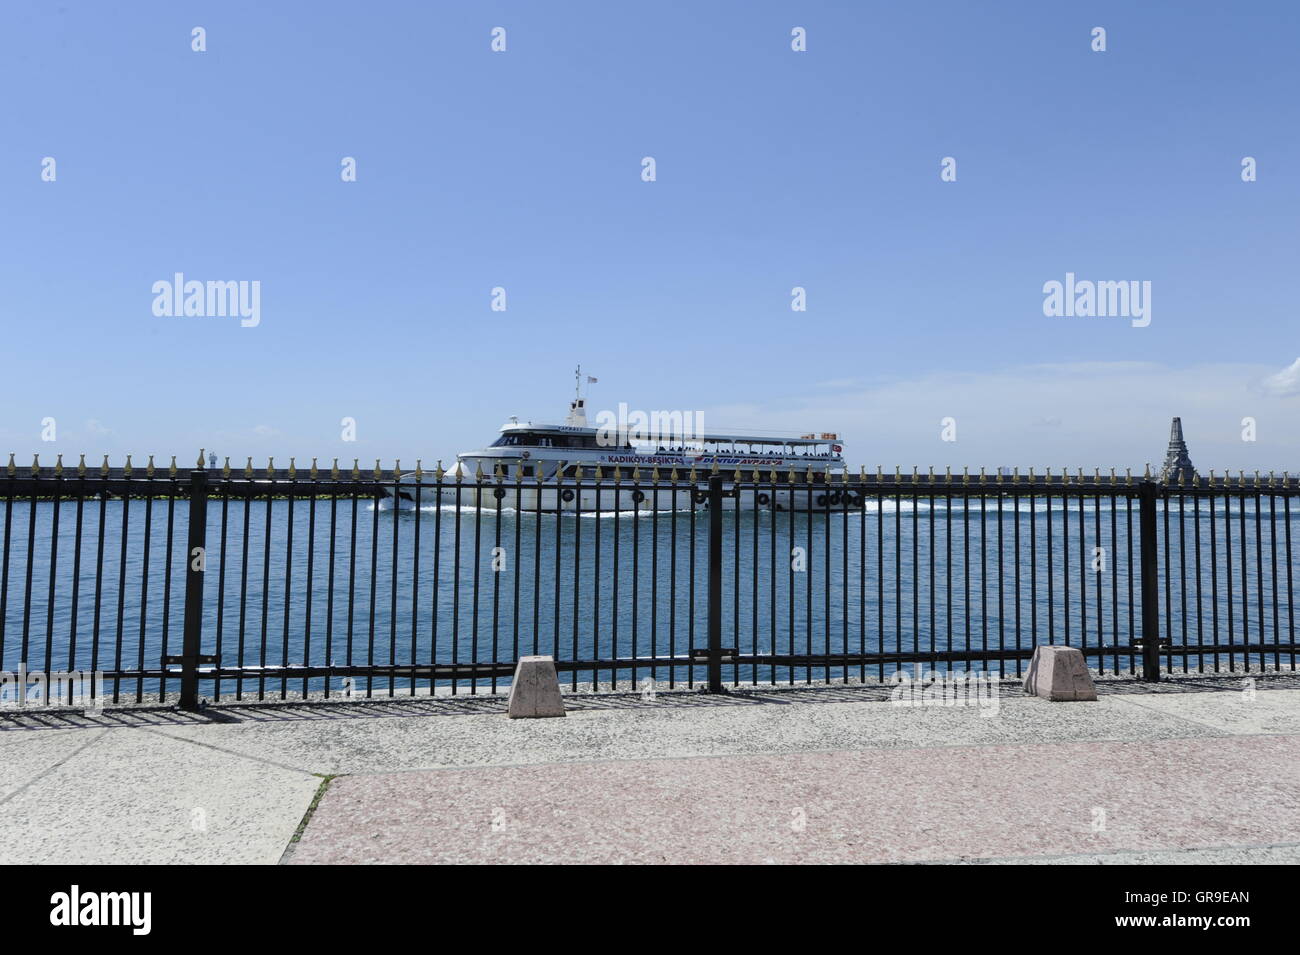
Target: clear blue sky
(775,169)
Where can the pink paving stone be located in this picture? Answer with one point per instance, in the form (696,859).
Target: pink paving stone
(873,806)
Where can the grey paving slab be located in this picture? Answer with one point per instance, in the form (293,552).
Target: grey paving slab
(1241,712)
(662,731)
(139,796)
(25,757)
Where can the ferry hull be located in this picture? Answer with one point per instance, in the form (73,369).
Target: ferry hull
(587,499)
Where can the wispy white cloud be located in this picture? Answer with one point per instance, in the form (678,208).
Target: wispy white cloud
(1284,384)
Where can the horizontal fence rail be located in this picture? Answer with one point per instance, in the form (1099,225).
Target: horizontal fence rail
(178,585)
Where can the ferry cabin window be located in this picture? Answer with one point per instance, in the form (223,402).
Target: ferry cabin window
(534,440)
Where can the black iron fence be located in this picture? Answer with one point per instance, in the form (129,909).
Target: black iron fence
(270,582)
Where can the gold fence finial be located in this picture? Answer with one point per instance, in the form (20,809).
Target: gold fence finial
(419,470)
(58,465)
(201,458)
(1146,473)
(248,468)
(378,472)
(315,471)
(225,467)
(36,464)
(438,472)
(171,468)
(126,468)
(103,468)
(270,467)
(81,466)
(12,469)
(397,468)
(148,468)
(356,469)
(334,470)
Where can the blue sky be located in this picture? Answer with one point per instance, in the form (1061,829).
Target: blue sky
(775,169)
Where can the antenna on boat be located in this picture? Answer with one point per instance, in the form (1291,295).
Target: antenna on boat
(577,408)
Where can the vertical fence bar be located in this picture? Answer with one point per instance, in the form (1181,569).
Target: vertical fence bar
(715,584)
(195,560)
(1147,493)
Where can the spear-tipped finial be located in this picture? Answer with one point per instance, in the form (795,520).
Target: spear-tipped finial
(293,469)
(171,468)
(103,468)
(13,469)
(225,467)
(58,465)
(201,459)
(148,468)
(81,466)
(356,469)
(36,464)
(315,471)
(419,469)
(248,468)
(334,470)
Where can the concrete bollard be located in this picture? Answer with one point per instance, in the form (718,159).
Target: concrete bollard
(1059,673)
(535,690)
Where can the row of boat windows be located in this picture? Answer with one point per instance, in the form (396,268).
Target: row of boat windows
(525,439)
(588,472)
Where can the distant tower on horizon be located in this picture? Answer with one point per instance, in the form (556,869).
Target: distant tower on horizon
(1178,463)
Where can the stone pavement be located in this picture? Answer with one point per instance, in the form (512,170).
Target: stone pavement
(1193,770)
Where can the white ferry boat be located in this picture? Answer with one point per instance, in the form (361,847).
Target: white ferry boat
(553,467)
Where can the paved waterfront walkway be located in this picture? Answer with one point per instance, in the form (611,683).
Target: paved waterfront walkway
(1197,771)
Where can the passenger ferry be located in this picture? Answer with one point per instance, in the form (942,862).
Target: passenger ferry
(553,467)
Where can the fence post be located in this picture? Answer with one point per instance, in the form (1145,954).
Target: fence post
(1147,493)
(715,584)
(195,562)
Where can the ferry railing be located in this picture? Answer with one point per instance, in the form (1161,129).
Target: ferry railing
(270,581)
